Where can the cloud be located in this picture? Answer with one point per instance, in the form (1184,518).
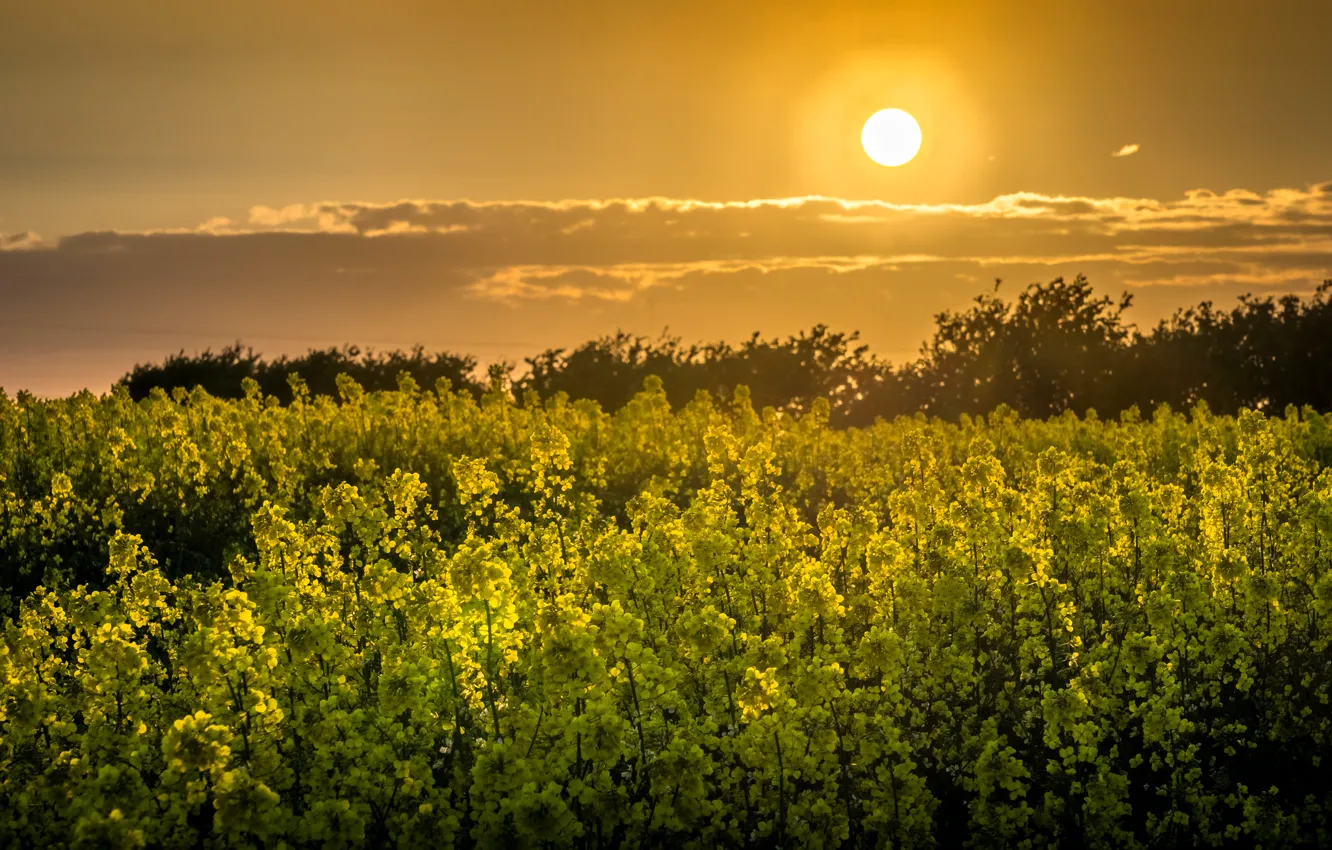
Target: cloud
(612,249)
(555,272)
(1127,150)
(25,240)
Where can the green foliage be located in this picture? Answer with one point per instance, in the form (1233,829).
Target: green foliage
(411,618)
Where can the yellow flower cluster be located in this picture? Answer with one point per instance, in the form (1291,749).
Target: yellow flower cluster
(416,619)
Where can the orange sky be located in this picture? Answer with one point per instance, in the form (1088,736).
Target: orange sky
(177,175)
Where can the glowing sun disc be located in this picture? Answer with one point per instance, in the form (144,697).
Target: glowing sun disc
(891,137)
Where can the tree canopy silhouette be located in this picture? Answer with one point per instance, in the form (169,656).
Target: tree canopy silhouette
(1054,347)
(784,374)
(222,374)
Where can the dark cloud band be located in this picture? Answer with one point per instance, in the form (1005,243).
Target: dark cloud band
(414,271)
(614,248)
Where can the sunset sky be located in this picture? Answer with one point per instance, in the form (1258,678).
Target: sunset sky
(503,176)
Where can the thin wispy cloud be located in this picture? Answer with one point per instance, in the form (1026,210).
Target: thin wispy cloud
(1127,150)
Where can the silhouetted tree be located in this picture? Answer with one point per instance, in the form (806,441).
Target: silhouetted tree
(789,374)
(610,369)
(784,374)
(221,374)
(1262,354)
(1056,346)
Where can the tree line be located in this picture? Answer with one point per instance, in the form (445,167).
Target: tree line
(1052,348)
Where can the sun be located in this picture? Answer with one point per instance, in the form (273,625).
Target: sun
(891,137)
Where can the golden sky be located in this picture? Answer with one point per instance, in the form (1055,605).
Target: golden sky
(187,174)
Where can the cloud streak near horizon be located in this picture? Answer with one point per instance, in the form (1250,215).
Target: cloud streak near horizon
(357,269)
(613,249)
